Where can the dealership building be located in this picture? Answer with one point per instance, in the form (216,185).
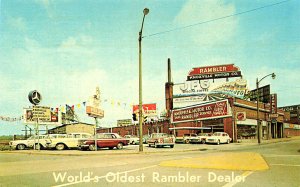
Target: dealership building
(208,102)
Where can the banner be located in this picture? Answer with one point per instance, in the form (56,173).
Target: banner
(201,112)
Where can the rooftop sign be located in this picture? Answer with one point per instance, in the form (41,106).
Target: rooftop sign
(214,72)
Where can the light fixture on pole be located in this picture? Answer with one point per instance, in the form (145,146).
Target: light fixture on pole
(145,12)
(258,124)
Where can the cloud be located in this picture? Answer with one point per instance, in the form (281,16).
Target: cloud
(17,23)
(218,32)
(44,3)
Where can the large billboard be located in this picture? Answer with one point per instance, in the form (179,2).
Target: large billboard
(195,92)
(263,94)
(42,115)
(213,110)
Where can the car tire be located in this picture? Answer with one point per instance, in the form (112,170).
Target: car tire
(21,147)
(60,146)
(187,141)
(110,148)
(149,145)
(228,141)
(120,146)
(172,146)
(203,141)
(92,147)
(155,145)
(218,142)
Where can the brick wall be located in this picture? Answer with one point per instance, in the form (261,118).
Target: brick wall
(291,132)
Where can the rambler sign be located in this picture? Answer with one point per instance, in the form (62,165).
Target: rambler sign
(201,112)
(214,72)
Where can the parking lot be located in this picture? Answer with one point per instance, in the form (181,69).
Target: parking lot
(134,149)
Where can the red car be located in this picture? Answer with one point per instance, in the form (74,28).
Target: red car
(104,140)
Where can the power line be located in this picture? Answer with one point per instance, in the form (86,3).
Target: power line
(216,19)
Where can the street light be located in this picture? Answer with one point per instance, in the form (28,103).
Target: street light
(145,12)
(258,127)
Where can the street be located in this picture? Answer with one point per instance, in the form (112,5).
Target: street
(274,164)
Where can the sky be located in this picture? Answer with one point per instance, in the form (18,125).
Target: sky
(66,48)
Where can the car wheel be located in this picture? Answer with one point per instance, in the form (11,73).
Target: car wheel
(111,148)
(187,141)
(155,145)
(92,147)
(21,147)
(120,146)
(60,146)
(203,141)
(218,142)
(172,146)
(228,141)
(149,145)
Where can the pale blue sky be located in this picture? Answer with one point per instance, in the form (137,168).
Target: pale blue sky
(66,48)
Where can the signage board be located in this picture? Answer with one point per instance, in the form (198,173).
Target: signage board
(200,112)
(148,110)
(291,108)
(94,112)
(241,116)
(214,72)
(124,122)
(215,76)
(42,115)
(263,94)
(273,103)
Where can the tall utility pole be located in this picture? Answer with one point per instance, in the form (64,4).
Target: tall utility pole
(146,11)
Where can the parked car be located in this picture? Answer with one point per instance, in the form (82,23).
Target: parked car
(201,138)
(219,137)
(67,141)
(132,139)
(161,140)
(186,138)
(105,140)
(40,141)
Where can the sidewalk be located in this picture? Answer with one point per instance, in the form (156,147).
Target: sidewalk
(254,141)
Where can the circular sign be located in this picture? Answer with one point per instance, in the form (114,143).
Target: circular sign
(35,97)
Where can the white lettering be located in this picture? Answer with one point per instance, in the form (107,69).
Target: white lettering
(59,176)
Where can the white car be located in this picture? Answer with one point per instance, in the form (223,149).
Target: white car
(201,138)
(132,139)
(68,141)
(219,137)
(40,141)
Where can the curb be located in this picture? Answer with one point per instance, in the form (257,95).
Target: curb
(98,153)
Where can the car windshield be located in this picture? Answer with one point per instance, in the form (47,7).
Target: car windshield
(217,134)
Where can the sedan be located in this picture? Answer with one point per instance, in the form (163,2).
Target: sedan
(219,137)
(104,140)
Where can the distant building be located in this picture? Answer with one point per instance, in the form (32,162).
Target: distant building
(73,128)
